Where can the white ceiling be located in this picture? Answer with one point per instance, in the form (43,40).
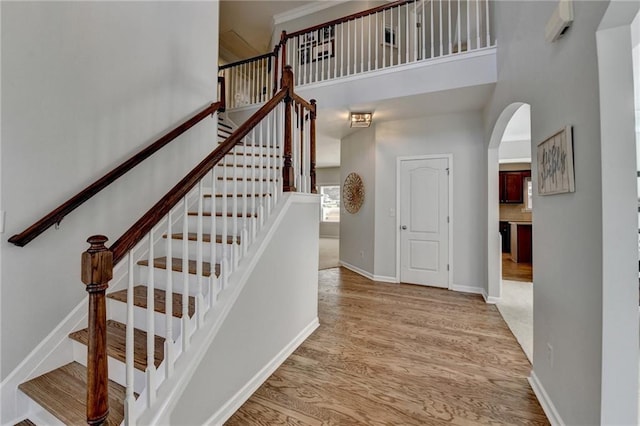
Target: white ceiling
(246,26)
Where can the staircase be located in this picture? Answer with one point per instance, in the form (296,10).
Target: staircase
(244,184)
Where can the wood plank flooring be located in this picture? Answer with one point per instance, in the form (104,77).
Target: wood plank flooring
(398,354)
(516,271)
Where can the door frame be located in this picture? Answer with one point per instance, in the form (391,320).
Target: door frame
(399,161)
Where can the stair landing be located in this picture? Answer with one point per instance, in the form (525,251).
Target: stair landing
(63,392)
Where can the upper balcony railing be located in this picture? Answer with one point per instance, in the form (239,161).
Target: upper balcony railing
(395,34)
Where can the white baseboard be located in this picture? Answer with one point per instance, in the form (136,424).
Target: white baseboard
(467,289)
(357,270)
(492,300)
(385,279)
(256,381)
(546,403)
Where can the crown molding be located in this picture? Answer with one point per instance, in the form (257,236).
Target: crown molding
(305,10)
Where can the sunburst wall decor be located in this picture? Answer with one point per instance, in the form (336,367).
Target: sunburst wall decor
(353,193)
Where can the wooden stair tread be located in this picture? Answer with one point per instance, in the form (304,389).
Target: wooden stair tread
(140,300)
(193,236)
(248,179)
(116,344)
(222,124)
(229,214)
(63,392)
(237,195)
(255,146)
(176,265)
(25,422)
(247,166)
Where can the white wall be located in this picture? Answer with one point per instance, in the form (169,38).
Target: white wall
(276,305)
(560,82)
(85,85)
(357,154)
(515,151)
(328,176)
(460,134)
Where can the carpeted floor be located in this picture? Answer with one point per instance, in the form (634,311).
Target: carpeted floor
(329,253)
(516,307)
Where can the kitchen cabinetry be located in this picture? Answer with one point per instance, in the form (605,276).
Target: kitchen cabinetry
(511,189)
(521,243)
(505,231)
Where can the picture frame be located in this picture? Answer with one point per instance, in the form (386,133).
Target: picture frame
(323,51)
(316,45)
(555,163)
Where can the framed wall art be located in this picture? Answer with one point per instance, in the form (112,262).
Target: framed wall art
(555,164)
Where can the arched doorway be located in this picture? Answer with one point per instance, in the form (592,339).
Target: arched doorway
(510,222)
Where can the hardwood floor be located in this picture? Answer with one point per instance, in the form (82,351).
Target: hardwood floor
(398,354)
(516,271)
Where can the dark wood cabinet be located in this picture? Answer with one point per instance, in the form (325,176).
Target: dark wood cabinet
(511,186)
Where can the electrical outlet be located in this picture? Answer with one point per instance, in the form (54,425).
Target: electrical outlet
(550,354)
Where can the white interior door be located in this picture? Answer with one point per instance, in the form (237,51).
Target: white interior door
(424,222)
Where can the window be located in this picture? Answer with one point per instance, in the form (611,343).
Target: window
(330,203)
(528,194)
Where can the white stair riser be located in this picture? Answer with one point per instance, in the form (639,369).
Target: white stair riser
(256,149)
(219,224)
(252,203)
(248,172)
(117,311)
(192,250)
(252,157)
(258,186)
(160,280)
(117,369)
(39,415)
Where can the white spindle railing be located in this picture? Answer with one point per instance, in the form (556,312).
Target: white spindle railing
(400,34)
(250,82)
(226,209)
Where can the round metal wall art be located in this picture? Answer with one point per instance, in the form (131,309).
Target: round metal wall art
(353,193)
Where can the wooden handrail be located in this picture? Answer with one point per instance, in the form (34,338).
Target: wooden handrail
(56,216)
(311,106)
(144,225)
(350,17)
(246,61)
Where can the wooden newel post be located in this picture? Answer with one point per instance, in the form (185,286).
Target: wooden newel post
(97,270)
(223,94)
(287,168)
(312,148)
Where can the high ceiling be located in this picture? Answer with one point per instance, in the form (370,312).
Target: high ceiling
(246,26)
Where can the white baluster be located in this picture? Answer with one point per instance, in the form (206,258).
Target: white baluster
(423,37)
(325,59)
(245,198)
(391,37)
(234,199)
(431,30)
(151,366)
(214,287)
(399,38)
(130,398)
(369,18)
(315,59)
(449,26)
(377,42)
(341,48)
(486,4)
(361,42)
(200,257)
(459,30)
(168,348)
(468,25)
(186,332)
(348,47)
(384,45)
(441,37)
(406,41)
(477,24)
(261,172)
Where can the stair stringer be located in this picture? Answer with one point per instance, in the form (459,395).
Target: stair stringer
(168,402)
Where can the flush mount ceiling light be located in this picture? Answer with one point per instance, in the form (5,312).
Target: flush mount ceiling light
(360,119)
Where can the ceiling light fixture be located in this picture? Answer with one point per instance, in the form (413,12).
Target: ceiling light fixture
(360,119)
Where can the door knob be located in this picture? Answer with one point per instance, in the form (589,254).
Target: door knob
(403,227)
